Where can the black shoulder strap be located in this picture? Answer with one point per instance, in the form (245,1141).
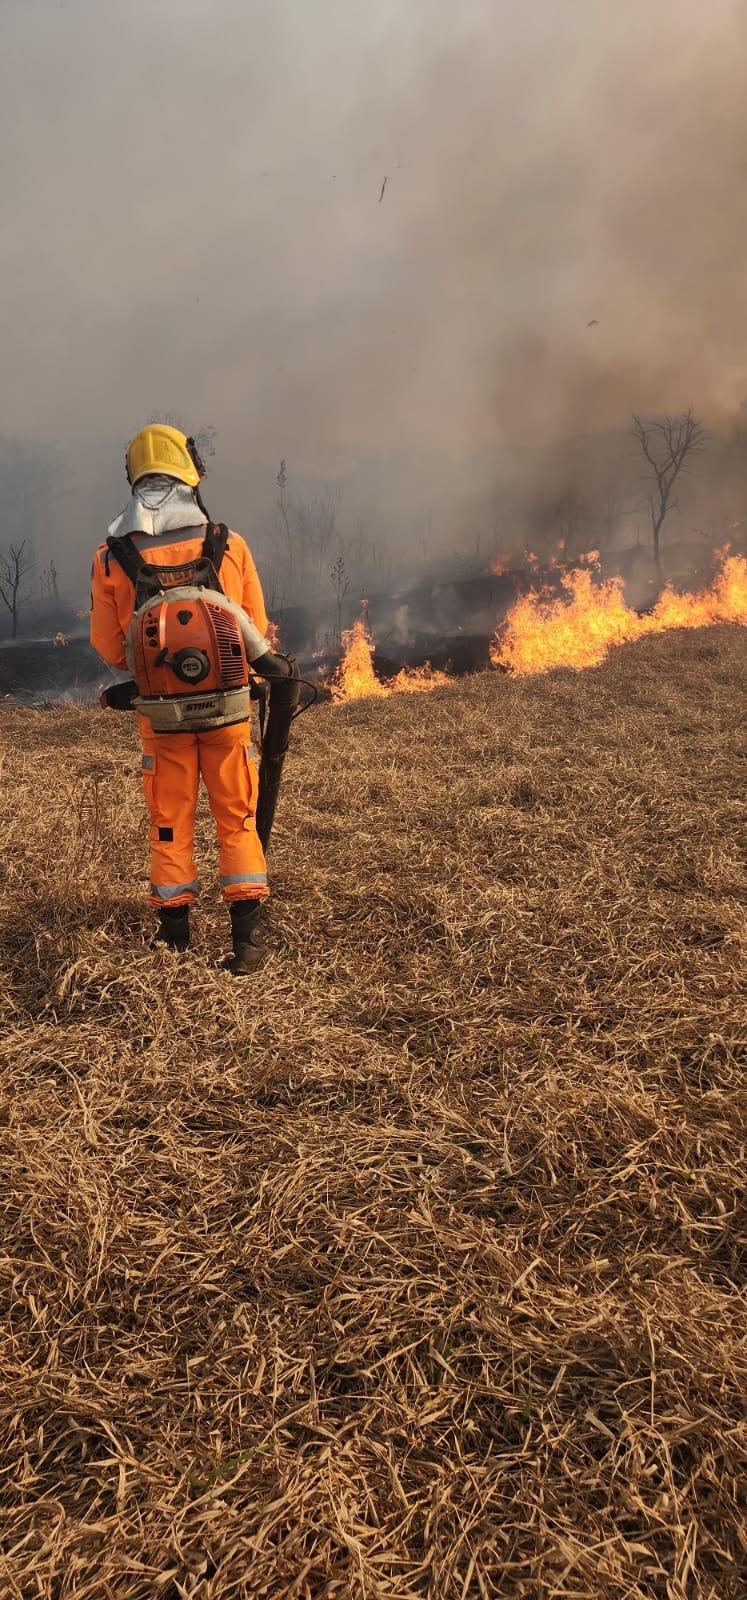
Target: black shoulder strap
(216,541)
(127,554)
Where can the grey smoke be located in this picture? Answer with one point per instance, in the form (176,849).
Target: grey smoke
(192,220)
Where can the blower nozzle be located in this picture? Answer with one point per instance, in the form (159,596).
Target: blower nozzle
(119,696)
(282,675)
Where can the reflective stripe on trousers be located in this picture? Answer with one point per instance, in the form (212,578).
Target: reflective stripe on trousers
(228,878)
(172,767)
(173,891)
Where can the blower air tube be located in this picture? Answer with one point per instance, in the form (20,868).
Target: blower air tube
(281,673)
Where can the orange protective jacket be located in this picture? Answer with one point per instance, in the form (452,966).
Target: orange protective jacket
(113,596)
(174,764)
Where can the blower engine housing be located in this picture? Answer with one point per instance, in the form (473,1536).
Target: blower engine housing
(187,635)
(188,649)
(180,643)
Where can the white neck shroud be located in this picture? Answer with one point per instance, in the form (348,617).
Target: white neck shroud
(158,505)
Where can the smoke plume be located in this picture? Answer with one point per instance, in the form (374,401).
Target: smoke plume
(194,219)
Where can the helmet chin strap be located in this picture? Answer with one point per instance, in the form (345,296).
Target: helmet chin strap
(201,504)
(200,466)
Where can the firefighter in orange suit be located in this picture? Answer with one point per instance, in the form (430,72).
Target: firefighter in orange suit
(166,522)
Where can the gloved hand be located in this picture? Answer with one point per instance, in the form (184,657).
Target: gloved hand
(119,696)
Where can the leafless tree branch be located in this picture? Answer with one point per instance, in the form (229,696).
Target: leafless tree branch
(15,566)
(667,443)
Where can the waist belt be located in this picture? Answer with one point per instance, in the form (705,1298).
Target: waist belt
(195,713)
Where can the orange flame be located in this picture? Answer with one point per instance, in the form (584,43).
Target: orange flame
(355,678)
(498,566)
(578,632)
(413,680)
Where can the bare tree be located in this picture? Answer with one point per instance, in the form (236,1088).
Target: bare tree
(15,566)
(315,527)
(340,583)
(284,509)
(53,584)
(308,532)
(667,443)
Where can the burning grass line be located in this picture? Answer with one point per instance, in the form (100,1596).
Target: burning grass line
(540,633)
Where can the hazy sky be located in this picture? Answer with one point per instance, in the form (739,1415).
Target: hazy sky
(192,220)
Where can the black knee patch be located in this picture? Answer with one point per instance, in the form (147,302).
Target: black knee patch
(166,835)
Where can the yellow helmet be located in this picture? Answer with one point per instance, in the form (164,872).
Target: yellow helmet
(159,448)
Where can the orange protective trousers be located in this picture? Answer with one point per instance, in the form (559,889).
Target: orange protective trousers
(173,764)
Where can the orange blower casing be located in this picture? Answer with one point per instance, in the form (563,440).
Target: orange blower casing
(179,646)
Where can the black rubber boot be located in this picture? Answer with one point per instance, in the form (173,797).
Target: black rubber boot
(248,945)
(173,928)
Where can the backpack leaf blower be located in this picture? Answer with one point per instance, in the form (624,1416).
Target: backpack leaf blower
(189,649)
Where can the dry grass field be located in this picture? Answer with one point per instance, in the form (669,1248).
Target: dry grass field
(412,1267)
